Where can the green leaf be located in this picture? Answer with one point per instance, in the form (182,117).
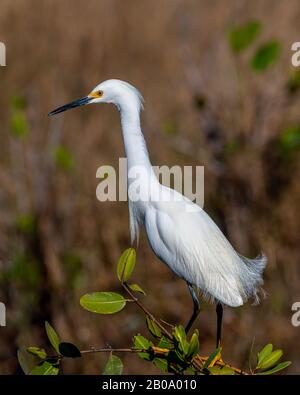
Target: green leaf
(161,364)
(226,370)
(18,124)
(126,264)
(277,368)
(69,350)
(27,360)
(190,371)
(103,302)
(165,343)
(266,351)
(194,345)
(241,37)
(26,224)
(215,370)
(63,158)
(44,369)
(23,268)
(290,138)
(265,56)
(141,343)
(153,327)
(270,360)
(293,83)
(178,356)
(18,102)
(137,288)
(180,336)
(179,333)
(114,366)
(211,357)
(39,352)
(52,336)
(177,361)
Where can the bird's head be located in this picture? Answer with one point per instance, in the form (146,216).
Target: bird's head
(117,92)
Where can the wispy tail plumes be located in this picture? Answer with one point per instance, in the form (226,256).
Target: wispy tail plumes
(251,278)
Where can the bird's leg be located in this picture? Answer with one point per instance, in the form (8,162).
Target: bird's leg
(219,311)
(196,307)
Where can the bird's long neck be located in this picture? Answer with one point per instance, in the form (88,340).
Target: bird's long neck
(137,159)
(134,141)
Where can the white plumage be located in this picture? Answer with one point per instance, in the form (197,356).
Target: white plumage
(180,233)
(192,245)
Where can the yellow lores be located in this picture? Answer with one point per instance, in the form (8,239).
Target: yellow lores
(95,95)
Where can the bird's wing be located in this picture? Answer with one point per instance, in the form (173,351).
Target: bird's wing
(193,246)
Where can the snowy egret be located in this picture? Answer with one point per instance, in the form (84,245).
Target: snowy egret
(188,241)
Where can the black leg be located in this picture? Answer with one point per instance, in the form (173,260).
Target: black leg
(219,311)
(196,307)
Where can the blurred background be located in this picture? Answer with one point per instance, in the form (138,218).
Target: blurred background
(220,91)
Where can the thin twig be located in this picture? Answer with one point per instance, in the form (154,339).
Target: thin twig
(221,363)
(166,323)
(197,361)
(93,350)
(156,350)
(145,310)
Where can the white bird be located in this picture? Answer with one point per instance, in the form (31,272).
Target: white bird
(179,232)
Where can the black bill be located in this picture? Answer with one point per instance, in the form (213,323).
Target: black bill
(73,104)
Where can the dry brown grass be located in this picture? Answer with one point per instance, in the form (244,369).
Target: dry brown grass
(173,51)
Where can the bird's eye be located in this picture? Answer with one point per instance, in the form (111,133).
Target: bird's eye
(100,93)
